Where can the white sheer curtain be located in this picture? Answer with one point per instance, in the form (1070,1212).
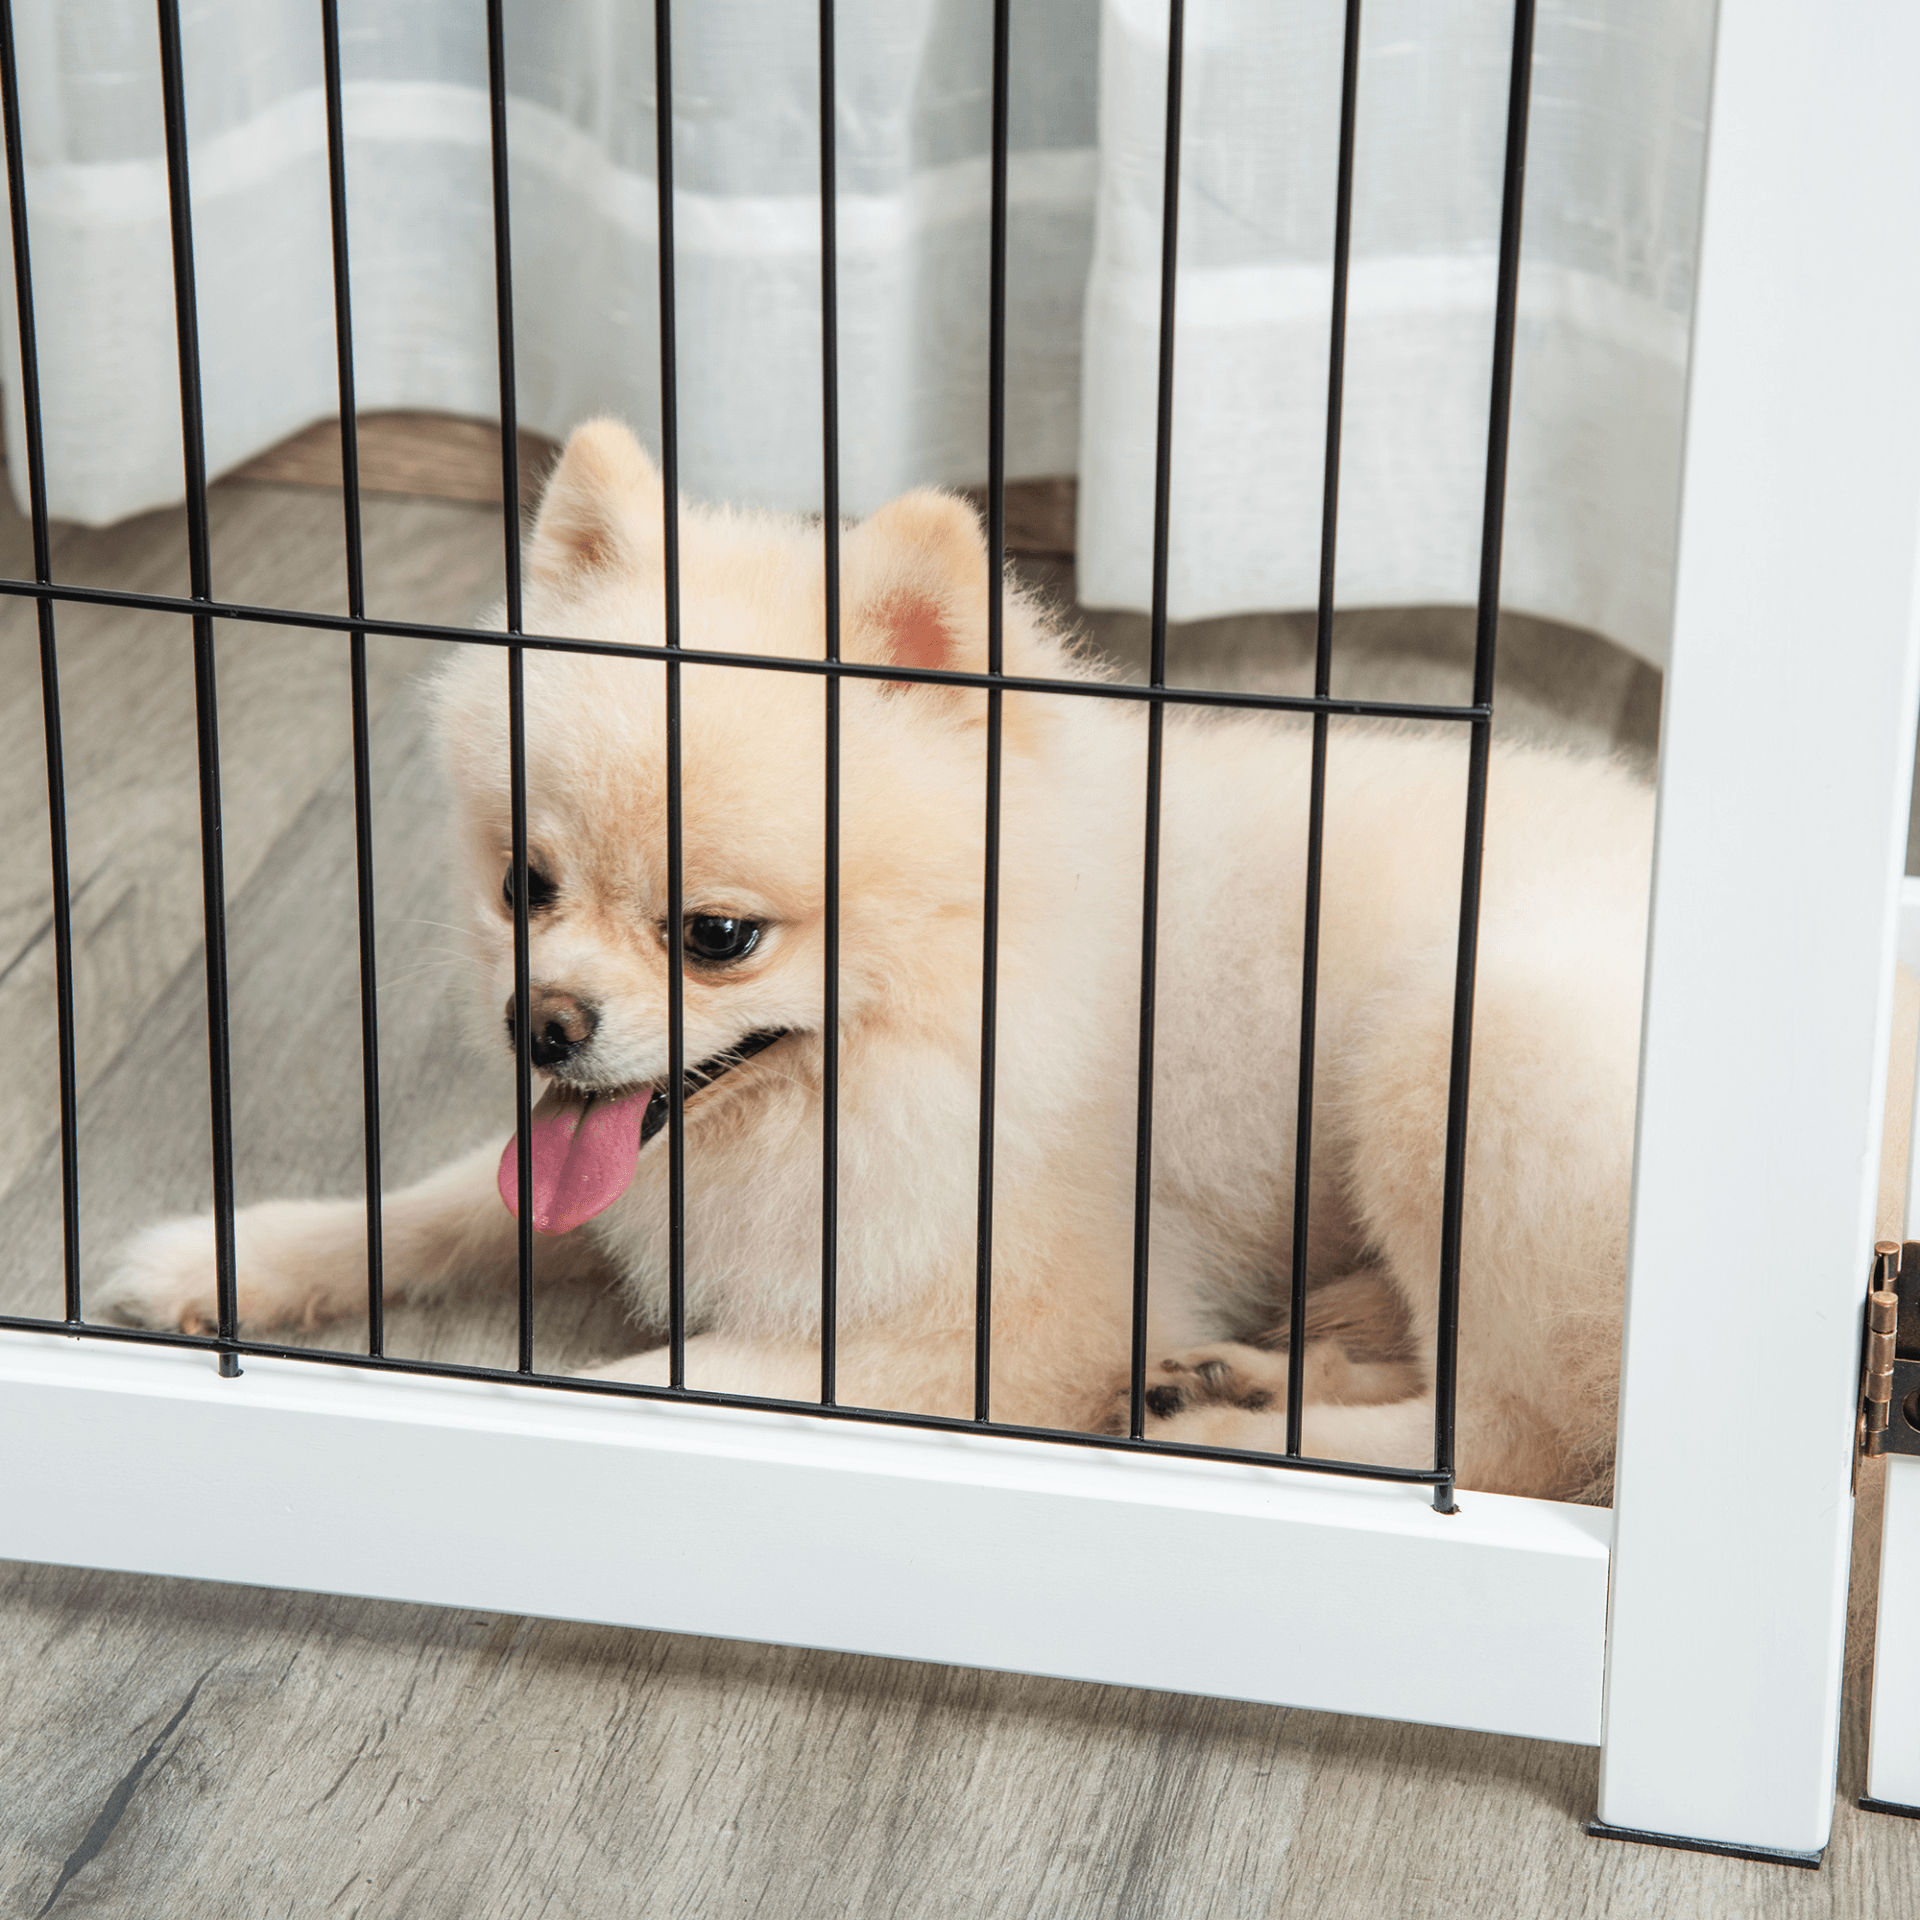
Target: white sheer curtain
(1619,99)
(1619,102)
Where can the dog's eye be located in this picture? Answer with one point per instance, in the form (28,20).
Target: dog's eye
(717,938)
(540,890)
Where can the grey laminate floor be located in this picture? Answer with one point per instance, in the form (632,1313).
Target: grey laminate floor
(181,1749)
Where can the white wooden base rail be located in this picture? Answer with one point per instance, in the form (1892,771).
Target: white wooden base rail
(1183,1575)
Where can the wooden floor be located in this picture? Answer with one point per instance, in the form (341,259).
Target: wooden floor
(178,1749)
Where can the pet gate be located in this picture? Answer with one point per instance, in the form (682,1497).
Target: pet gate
(1694,1632)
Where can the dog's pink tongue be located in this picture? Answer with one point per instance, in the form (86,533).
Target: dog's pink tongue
(583,1157)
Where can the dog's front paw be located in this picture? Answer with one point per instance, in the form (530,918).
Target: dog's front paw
(163,1277)
(296,1263)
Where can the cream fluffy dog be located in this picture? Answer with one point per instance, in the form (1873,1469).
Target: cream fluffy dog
(1555,1036)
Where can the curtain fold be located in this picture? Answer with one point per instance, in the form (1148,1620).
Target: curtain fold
(1619,103)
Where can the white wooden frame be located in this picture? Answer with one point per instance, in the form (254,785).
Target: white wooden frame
(1786,757)
(1786,753)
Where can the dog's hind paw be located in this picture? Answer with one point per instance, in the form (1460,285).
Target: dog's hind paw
(1227,1375)
(1246,1379)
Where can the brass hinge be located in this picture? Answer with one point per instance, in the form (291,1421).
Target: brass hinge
(1876,1359)
(1890,1352)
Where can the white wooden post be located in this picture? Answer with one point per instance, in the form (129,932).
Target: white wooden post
(1893,1754)
(1893,1759)
(1786,751)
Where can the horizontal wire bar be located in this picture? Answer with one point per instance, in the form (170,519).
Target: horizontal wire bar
(749,1403)
(767,663)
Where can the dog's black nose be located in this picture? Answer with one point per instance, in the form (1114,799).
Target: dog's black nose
(562,1025)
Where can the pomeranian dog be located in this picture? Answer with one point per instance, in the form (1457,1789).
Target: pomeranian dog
(1555,1038)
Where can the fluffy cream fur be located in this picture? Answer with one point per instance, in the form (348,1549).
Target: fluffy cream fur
(1555,1034)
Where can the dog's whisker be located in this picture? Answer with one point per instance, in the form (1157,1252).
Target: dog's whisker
(435,968)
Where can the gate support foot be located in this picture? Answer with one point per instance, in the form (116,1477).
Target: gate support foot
(1867,1804)
(1776,1856)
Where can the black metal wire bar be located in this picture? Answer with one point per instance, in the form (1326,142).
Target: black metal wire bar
(522,998)
(49,671)
(630,1390)
(503,315)
(1156,726)
(996,649)
(670,579)
(1322,685)
(1486,630)
(516,663)
(357,675)
(830,852)
(306,618)
(205,678)
(343,310)
(203,609)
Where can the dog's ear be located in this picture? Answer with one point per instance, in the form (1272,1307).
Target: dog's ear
(600,512)
(915,586)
